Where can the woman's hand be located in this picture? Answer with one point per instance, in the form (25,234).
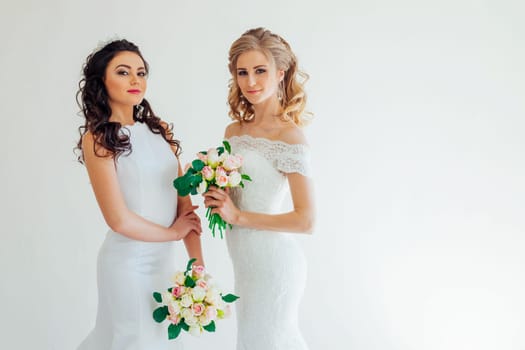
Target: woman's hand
(186,222)
(221,203)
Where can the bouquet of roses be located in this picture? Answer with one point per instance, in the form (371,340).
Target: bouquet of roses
(217,167)
(192,304)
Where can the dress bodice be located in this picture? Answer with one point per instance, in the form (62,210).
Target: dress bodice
(267,162)
(146,175)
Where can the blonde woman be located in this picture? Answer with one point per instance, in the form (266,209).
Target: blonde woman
(267,102)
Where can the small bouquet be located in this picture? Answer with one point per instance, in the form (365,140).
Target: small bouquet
(192,304)
(217,167)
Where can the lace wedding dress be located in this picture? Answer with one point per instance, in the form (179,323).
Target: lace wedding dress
(129,271)
(269,267)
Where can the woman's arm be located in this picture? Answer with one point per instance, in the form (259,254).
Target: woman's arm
(103,177)
(192,241)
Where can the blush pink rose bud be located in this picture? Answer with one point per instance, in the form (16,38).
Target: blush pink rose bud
(232,162)
(207,173)
(222,180)
(198,271)
(220,171)
(174,318)
(202,283)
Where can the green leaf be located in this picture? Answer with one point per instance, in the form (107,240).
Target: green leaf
(241,184)
(190,264)
(198,164)
(189,282)
(195,180)
(184,325)
(229,298)
(174,330)
(246,177)
(210,327)
(227,146)
(184,191)
(160,313)
(220,150)
(157,297)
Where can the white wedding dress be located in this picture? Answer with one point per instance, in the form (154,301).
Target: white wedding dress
(269,267)
(129,271)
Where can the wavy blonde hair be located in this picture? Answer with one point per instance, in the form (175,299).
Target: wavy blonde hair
(291,91)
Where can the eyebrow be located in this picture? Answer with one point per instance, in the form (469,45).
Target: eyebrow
(259,66)
(128,67)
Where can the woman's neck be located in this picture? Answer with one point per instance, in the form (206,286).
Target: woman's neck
(267,113)
(122,114)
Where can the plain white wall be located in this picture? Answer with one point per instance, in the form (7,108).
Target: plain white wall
(417,144)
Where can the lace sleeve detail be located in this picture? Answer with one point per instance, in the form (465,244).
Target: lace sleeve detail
(295,159)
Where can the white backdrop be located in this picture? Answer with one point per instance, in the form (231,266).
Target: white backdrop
(418,147)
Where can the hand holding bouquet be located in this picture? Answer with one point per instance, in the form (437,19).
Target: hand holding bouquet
(192,304)
(215,167)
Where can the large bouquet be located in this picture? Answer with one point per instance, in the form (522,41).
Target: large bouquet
(217,167)
(193,304)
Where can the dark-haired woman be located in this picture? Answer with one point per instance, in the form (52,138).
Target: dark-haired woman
(131,158)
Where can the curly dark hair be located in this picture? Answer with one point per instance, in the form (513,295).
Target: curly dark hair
(92,98)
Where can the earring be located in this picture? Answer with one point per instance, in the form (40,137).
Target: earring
(243,102)
(140,110)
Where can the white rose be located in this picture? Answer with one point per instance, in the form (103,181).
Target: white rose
(223,157)
(198,293)
(186,300)
(213,157)
(179,278)
(174,307)
(213,296)
(234,179)
(186,313)
(167,298)
(203,186)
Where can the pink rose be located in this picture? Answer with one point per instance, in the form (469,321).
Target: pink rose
(220,171)
(222,180)
(174,318)
(207,172)
(197,309)
(177,291)
(232,162)
(202,283)
(198,271)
